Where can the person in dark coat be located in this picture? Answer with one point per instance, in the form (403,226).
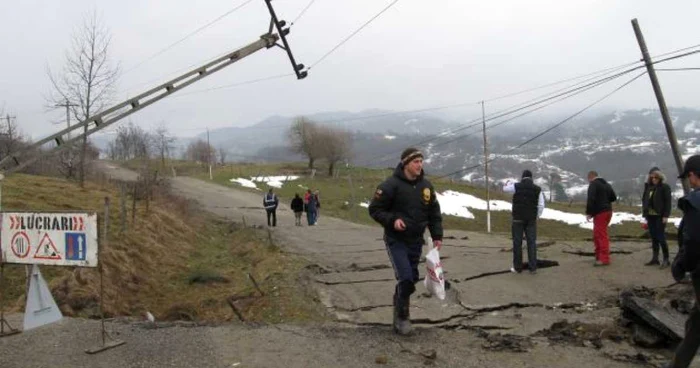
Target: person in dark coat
(298,208)
(528,205)
(270,203)
(656,208)
(599,209)
(688,259)
(405,204)
(310,208)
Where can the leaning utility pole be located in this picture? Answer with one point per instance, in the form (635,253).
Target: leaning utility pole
(102,120)
(670,131)
(486,170)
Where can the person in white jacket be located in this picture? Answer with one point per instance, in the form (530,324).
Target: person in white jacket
(528,205)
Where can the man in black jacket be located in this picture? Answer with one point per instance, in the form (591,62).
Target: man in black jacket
(297,206)
(405,204)
(528,204)
(656,208)
(687,260)
(599,209)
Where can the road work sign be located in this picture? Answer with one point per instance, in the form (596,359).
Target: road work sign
(58,239)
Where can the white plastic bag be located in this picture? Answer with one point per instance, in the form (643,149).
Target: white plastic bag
(434,279)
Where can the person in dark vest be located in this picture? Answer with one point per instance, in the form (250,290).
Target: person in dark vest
(688,259)
(270,203)
(405,204)
(656,208)
(599,209)
(297,206)
(528,205)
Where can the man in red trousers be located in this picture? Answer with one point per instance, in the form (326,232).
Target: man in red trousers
(599,208)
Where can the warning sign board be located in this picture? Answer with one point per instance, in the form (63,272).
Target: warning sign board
(59,239)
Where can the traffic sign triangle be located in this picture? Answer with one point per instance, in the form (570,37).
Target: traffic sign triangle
(47,249)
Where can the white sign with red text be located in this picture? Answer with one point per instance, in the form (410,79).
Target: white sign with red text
(58,239)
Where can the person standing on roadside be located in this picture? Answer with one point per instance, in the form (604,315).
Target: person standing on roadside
(599,209)
(270,203)
(310,206)
(297,206)
(405,204)
(318,206)
(656,208)
(528,205)
(687,260)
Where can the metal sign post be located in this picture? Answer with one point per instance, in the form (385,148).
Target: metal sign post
(107,341)
(3,321)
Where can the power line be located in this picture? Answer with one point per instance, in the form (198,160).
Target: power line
(522,106)
(188,36)
(341,43)
(513,109)
(251,81)
(677,69)
(540,134)
(303,11)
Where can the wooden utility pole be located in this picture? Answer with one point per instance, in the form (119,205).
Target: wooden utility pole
(209,155)
(486,170)
(670,131)
(67,105)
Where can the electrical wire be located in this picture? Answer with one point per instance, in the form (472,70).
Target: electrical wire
(346,39)
(303,11)
(188,36)
(549,129)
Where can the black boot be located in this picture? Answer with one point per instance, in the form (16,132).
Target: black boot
(653,262)
(402,318)
(402,296)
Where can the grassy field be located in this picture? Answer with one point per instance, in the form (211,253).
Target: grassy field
(175,261)
(339,196)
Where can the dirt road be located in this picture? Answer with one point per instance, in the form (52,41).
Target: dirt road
(491,317)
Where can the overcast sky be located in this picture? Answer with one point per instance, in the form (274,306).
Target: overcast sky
(418,54)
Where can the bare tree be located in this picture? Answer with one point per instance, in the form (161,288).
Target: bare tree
(199,151)
(10,138)
(131,142)
(163,142)
(222,155)
(336,146)
(88,77)
(305,139)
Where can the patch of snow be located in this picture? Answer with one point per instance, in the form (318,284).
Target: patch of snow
(244,183)
(410,121)
(390,137)
(458,204)
(274,181)
(576,190)
(470,176)
(364,204)
(617,117)
(692,128)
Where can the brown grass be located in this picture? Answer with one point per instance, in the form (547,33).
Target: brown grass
(150,266)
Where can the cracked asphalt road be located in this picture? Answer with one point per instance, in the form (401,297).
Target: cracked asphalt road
(355,283)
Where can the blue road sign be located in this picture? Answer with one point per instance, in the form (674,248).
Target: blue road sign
(76,246)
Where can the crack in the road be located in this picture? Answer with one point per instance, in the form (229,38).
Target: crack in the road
(592,254)
(352,282)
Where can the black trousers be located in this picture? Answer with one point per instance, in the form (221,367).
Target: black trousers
(273,214)
(689,346)
(657,232)
(530,229)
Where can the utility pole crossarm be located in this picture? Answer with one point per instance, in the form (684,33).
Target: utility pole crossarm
(104,119)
